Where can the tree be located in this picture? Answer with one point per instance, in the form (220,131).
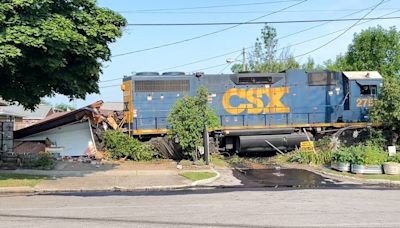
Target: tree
(44,102)
(64,107)
(386,109)
(264,56)
(375,48)
(188,118)
(310,65)
(49,47)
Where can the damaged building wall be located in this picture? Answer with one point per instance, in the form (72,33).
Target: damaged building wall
(74,139)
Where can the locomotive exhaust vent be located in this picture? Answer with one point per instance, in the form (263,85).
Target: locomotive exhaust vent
(162,85)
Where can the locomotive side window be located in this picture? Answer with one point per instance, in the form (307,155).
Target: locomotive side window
(162,85)
(368,90)
(321,78)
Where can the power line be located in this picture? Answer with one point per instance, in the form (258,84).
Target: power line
(201,60)
(261,22)
(102,87)
(244,12)
(279,38)
(239,50)
(207,34)
(341,34)
(236,59)
(213,6)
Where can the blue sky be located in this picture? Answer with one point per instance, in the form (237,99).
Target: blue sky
(163,59)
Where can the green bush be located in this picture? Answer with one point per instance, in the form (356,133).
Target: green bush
(187,119)
(368,155)
(235,159)
(44,162)
(120,145)
(323,144)
(343,154)
(374,155)
(307,157)
(394,158)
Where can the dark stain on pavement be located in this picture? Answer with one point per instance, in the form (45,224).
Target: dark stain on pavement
(281,177)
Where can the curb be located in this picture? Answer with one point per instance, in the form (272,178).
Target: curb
(33,190)
(207,181)
(339,177)
(113,189)
(362,180)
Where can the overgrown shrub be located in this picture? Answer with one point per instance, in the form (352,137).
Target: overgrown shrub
(235,159)
(44,160)
(394,158)
(376,137)
(368,155)
(374,154)
(120,145)
(323,144)
(343,154)
(309,157)
(187,119)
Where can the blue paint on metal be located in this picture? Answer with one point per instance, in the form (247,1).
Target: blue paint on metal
(309,104)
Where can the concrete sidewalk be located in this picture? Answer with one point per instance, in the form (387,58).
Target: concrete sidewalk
(108,179)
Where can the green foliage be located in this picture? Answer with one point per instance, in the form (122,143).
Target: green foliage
(386,109)
(235,159)
(20,180)
(195,176)
(265,58)
(394,158)
(368,155)
(309,157)
(375,48)
(376,137)
(374,154)
(187,119)
(44,162)
(323,144)
(64,107)
(344,154)
(120,145)
(310,65)
(49,47)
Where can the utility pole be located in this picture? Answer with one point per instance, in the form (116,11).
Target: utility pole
(244,65)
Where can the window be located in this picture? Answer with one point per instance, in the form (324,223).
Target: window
(368,90)
(321,78)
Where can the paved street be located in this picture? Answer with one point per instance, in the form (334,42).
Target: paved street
(258,207)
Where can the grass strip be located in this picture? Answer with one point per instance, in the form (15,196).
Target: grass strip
(195,176)
(20,180)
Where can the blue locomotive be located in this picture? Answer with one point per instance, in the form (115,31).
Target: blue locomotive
(283,108)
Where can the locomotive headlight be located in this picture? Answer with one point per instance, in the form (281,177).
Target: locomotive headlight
(330,93)
(162,97)
(149,98)
(337,89)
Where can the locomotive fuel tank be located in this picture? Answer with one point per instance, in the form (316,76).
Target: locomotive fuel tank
(257,143)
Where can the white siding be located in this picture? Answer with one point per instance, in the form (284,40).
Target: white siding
(73,138)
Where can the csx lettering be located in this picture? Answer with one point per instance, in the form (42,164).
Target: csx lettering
(255,104)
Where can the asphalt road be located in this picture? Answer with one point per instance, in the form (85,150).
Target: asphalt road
(259,207)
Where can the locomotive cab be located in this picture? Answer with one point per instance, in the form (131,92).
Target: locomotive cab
(362,90)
